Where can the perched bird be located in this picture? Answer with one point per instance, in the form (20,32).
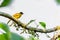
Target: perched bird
(16,16)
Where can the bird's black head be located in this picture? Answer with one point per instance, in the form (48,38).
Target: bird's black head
(21,13)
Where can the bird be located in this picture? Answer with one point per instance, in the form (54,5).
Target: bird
(16,16)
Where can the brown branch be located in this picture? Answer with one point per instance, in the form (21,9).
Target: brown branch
(19,23)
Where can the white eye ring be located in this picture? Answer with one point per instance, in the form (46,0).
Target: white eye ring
(2,31)
(1,1)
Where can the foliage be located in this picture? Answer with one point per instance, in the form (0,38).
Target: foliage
(58,1)
(30,22)
(15,36)
(43,24)
(6,29)
(58,38)
(8,35)
(5,3)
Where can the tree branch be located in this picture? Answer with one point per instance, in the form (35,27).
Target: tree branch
(19,23)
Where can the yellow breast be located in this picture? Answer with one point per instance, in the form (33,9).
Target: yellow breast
(17,15)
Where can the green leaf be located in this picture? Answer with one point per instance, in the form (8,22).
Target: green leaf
(42,24)
(5,27)
(30,22)
(58,1)
(15,36)
(8,35)
(58,38)
(4,36)
(5,3)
